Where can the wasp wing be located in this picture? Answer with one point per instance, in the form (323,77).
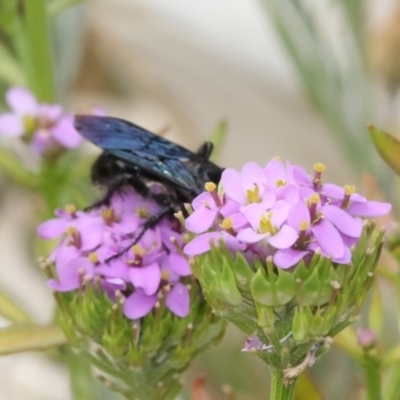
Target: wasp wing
(151,153)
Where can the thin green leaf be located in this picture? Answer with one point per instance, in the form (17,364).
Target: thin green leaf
(375,315)
(388,147)
(11,311)
(391,357)
(28,337)
(391,387)
(41,59)
(218,138)
(11,71)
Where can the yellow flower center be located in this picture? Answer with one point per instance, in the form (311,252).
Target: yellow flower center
(253,195)
(280,183)
(142,212)
(266,224)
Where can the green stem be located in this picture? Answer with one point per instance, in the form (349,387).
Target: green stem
(81,378)
(372,372)
(38,36)
(279,390)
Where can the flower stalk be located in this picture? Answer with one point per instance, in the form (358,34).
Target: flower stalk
(279,389)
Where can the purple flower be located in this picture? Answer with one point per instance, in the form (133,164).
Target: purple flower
(148,274)
(282,212)
(45,126)
(366,337)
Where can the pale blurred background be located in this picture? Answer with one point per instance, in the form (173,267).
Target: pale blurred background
(186,66)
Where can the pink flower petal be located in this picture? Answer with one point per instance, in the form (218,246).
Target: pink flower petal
(70,274)
(201,244)
(178,300)
(238,220)
(203,199)
(22,101)
(147,278)
(370,209)
(343,221)
(91,237)
(280,212)
(201,219)
(11,125)
(252,174)
(41,141)
(65,134)
(253,213)
(289,193)
(298,213)
(299,175)
(179,264)
(332,191)
(248,235)
(285,238)
(51,112)
(232,242)
(275,171)
(231,184)
(52,228)
(137,305)
(328,238)
(286,258)
(115,269)
(345,259)
(230,207)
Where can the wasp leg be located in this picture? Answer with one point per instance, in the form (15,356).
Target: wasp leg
(150,223)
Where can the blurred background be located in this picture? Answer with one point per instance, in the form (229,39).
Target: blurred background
(299,79)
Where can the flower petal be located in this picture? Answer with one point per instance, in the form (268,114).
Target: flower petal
(248,235)
(11,125)
(286,258)
(252,174)
(147,278)
(230,181)
(178,300)
(328,238)
(138,304)
(52,228)
(200,244)
(343,221)
(65,133)
(201,219)
(285,238)
(41,141)
(70,275)
(275,171)
(298,213)
(179,264)
(370,209)
(21,101)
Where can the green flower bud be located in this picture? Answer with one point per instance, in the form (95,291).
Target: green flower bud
(291,312)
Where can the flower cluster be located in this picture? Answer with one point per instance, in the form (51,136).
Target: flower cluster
(282,212)
(46,127)
(146,275)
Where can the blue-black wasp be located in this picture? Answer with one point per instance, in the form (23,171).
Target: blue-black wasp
(135,157)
